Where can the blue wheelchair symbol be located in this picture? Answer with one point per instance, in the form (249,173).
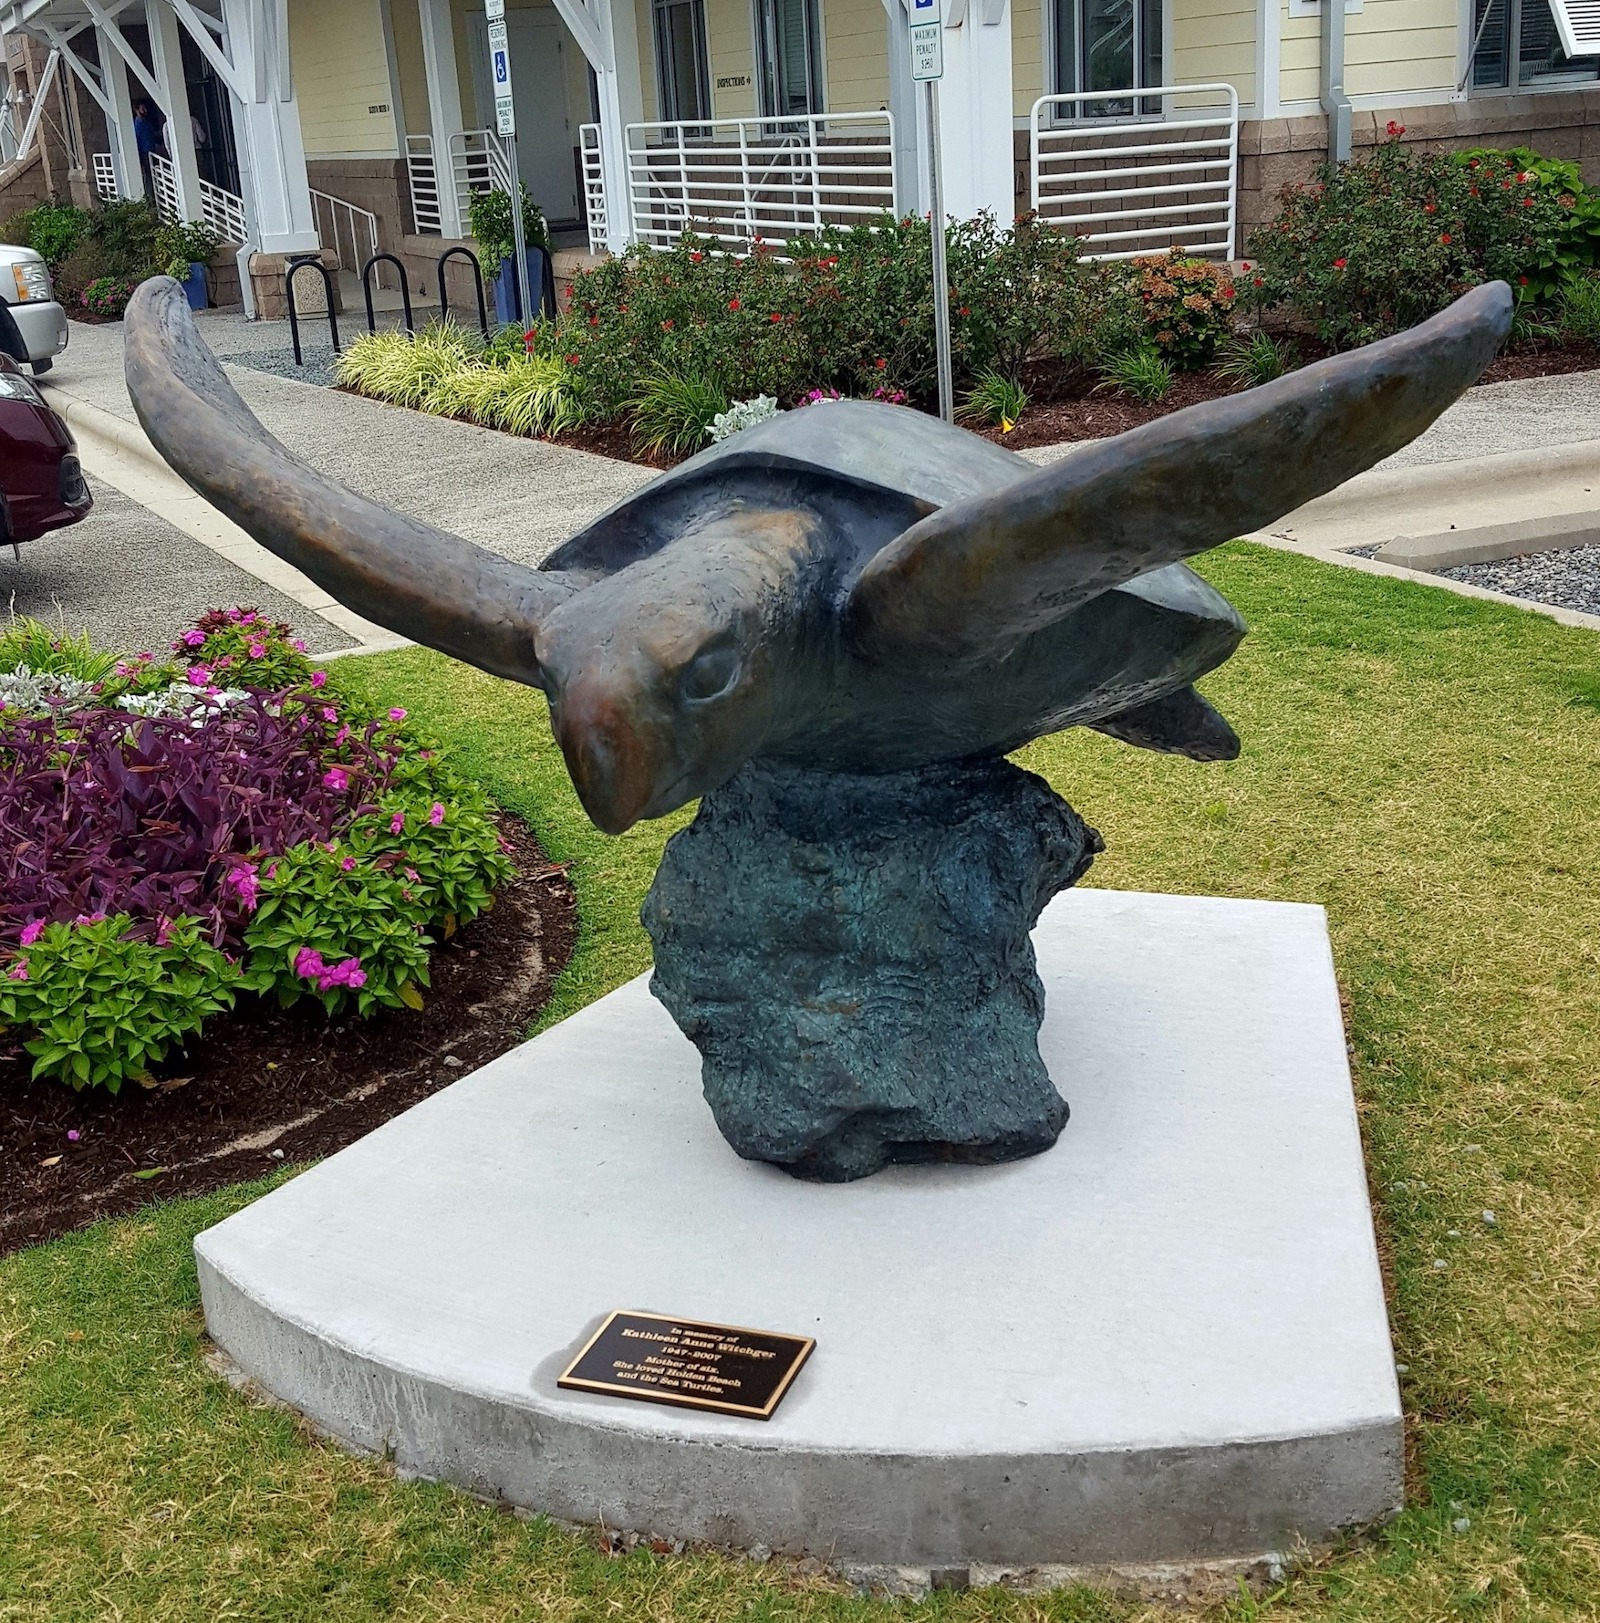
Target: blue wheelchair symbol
(500,74)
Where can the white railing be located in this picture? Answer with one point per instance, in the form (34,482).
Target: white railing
(479,162)
(1161,172)
(339,222)
(594,186)
(424,176)
(737,180)
(164,183)
(223,211)
(105,177)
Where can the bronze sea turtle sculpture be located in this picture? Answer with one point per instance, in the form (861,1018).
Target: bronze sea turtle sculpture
(830,629)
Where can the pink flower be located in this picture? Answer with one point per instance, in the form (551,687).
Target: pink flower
(342,734)
(248,618)
(194,639)
(258,650)
(413,876)
(348,864)
(337,779)
(397,825)
(197,676)
(397,714)
(73,1135)
(163,932)
(308,964)
(299,645)
(329,713)
(436,814)
(90,918)
(244,882)
(319,679)
(327,976)
(18,971)
(31,932)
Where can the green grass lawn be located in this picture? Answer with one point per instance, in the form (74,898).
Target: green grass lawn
(1425,766)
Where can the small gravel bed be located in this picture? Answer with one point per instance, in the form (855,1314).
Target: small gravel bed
(1568,578)
(318,368)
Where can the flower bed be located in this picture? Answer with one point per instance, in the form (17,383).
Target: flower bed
(175,834)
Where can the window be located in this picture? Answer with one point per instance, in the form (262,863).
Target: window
(1517,44)
(791,60)
(1107,45)
(681,74)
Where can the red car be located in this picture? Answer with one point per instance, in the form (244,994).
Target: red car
(41,483)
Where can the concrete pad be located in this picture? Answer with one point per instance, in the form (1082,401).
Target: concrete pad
(1163,1340)
(1487,543)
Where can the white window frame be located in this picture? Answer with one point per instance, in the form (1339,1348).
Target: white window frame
(1052,55)
(818,67)
(1554,85)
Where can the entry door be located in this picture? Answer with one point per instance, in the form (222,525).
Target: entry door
(545,136)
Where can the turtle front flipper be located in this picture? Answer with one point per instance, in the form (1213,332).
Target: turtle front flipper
(1181,723)
(968,583)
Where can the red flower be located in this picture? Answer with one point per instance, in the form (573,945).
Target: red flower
(775,316)
(572,360)
(594,321)
(963,311)
(666,326)
(1430,208)
(882,364)
(1259,282)
(1445,238)
(696,257)
(1339,264)
(733,304)
(1522,281)
(1396,130)
(1527,202)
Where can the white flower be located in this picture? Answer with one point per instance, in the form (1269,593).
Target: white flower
(743,414)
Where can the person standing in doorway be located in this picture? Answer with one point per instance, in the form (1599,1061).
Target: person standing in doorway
(149,134)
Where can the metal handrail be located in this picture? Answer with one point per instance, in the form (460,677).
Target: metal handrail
(1072,157)
(164,183)
(477,283)
(594,187)
(299,263)
(405,290)
(352,211)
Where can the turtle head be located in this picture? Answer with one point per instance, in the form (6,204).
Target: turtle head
(661,677)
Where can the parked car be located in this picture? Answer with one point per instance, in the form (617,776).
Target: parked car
(35,318)
(41,482)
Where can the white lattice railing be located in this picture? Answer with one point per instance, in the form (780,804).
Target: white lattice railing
(105,177)
(164,183)
(338,223)
(594,186)
(424,177)
(223,211)
(479,162)
(740,179)
(1162,171)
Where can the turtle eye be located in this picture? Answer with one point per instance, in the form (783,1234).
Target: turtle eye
(711,673)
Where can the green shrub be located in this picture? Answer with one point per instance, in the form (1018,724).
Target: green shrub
(1184,305)
(1250,362)
(100,1008)
(51,229)
(994,398)
(1576,247)
(177,247)
(1144,373)
(673,415)
(1381,243)
(489,221)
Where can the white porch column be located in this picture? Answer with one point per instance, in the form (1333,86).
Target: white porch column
(267,128)
(908,101)
(975,110)
(444,108)
(166,52)
(621,104)
(124,144)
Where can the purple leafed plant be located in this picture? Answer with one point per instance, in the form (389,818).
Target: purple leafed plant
(103,812)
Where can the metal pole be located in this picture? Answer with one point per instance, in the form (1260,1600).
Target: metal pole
(518,236)
(941,279)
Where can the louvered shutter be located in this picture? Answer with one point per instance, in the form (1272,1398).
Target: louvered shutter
(1578,23)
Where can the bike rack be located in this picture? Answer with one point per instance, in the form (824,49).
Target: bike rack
(405,289)
(296,265)
(477,282)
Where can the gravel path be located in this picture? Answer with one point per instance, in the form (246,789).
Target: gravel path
(1569,578)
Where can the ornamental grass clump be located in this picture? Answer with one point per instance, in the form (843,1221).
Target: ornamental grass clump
(163,852)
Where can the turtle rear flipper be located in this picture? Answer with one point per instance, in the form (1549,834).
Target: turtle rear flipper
(1181,723)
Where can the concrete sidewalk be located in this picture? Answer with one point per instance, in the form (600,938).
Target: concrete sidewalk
(1505,451)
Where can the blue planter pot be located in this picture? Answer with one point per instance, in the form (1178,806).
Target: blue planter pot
(541,285)
(194,286)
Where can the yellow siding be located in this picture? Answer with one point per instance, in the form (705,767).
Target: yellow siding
(1214,42)
(645,21)
(1299,54)
(730,44)
(1401,45)
(1027,55)
(411,65)
(340,71)
(855,38)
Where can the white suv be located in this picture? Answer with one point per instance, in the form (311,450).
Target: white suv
(25,290)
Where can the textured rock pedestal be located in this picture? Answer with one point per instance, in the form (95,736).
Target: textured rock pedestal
(850,955)
(1165,1340)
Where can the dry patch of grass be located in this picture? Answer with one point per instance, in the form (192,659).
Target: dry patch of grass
(1425,766)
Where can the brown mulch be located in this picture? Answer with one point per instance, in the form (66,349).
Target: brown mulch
(265,1085)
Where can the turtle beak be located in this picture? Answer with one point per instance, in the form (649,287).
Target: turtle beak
(614,756)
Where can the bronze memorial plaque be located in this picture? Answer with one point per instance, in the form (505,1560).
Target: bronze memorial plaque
(698,1366)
